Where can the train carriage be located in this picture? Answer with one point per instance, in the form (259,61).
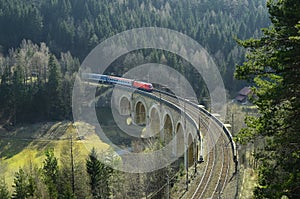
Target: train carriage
(143,86)
(118,80)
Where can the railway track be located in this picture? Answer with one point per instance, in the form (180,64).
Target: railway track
(219,172)
(207,175)
(224,171)
(215,175)
(218,165)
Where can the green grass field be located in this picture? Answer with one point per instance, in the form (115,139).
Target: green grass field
(25,145)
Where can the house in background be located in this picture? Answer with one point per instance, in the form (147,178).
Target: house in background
(243,95)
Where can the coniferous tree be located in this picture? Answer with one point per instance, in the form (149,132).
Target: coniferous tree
(99,174)
(94,170)
(5,92)
(4,193)
(73,176)
(23,184)
(18,91)
(54,88)
(274,65)
(50,173)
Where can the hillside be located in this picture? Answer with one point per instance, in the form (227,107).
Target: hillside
(78,25)
(43,42)
(42,46)
(25,147)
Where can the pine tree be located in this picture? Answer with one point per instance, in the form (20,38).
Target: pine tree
(50,173)
(6,101)
(73,176)
(99,175)
(93,166)
(23,184)
(4,193)
(18,92)
(274,66)
(55,109)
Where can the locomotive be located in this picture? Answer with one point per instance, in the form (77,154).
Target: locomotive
(108,79)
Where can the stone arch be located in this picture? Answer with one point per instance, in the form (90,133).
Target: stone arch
(179,139)
(154,124)
(190,150)
(125,106)
(140,113)
(167,128)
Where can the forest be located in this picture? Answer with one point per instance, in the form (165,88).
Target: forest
(70,176)
(273,65)
(43,41)
(42,44)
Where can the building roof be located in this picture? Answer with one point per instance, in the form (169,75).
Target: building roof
(240,98)
(245,91)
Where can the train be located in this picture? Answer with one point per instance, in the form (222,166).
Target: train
(108,79)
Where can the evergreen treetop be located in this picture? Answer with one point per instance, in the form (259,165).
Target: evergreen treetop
(273,63)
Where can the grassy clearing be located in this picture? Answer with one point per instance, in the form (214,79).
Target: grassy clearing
(25,146)
(248,175)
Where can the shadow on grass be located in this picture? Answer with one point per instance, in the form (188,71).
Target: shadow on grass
(40,136)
